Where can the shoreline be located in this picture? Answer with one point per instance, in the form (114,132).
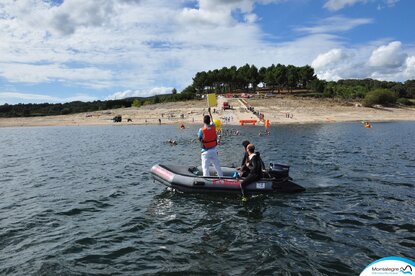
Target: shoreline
(199,124)
(278,110)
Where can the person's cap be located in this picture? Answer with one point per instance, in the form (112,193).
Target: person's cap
(245,143)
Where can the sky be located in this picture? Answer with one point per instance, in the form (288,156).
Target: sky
(67,50)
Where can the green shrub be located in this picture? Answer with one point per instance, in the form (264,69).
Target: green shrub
(404,101)
(156,99)
(309,95)
(66,111)
(379,96)
(328,92)
(136,103)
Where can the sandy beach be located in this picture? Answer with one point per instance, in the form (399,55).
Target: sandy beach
(278,110)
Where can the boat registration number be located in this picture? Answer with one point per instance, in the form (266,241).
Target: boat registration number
(260,185)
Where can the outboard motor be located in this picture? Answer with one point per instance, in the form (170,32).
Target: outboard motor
(278,170)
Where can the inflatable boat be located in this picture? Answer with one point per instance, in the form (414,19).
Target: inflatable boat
(190,179)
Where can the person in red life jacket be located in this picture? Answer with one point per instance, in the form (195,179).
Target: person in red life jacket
(208,141)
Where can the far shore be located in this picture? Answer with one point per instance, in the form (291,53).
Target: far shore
(278,110)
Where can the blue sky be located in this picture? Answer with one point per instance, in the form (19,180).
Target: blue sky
(59,51)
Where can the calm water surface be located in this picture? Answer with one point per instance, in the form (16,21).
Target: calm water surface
(80,200)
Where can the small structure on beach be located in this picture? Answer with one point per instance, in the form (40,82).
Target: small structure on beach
(117,119)
(248,121)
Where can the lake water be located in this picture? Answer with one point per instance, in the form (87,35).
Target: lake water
(81,200)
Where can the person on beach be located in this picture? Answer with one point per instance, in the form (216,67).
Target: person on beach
(255,166)
(208,140)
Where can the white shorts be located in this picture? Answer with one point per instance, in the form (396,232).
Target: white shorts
(211,156)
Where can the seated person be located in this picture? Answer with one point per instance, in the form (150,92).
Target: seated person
(255,166)
(243,169)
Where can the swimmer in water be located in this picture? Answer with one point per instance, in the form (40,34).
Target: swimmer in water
(172,142)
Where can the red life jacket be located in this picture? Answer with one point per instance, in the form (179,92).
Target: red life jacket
(210,138)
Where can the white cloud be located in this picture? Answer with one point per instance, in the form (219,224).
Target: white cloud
(388,56)
(27,96)
(203,17)
(385,62)
(335,5)
(32,73)
(132,46)
(336,24)
(79,13)
(17,97)
(338,64)
(409,71)
(391,3)
(140,93)
(326,59)
(251,18)
(388,4)
(219,12)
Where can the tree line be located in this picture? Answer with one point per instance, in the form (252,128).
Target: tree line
(276,78)
(248,77)
(245,78)
(358,89)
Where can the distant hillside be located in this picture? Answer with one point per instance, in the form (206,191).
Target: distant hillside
(47,109)
(248,78)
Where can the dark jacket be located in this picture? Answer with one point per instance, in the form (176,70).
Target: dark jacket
(245,159)
(256,165)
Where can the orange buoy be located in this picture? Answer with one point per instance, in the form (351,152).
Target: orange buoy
(267,124)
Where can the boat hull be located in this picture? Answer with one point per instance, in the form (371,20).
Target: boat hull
(189,180)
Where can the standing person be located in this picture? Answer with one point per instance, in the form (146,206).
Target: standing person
(255,167)
(208,140)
